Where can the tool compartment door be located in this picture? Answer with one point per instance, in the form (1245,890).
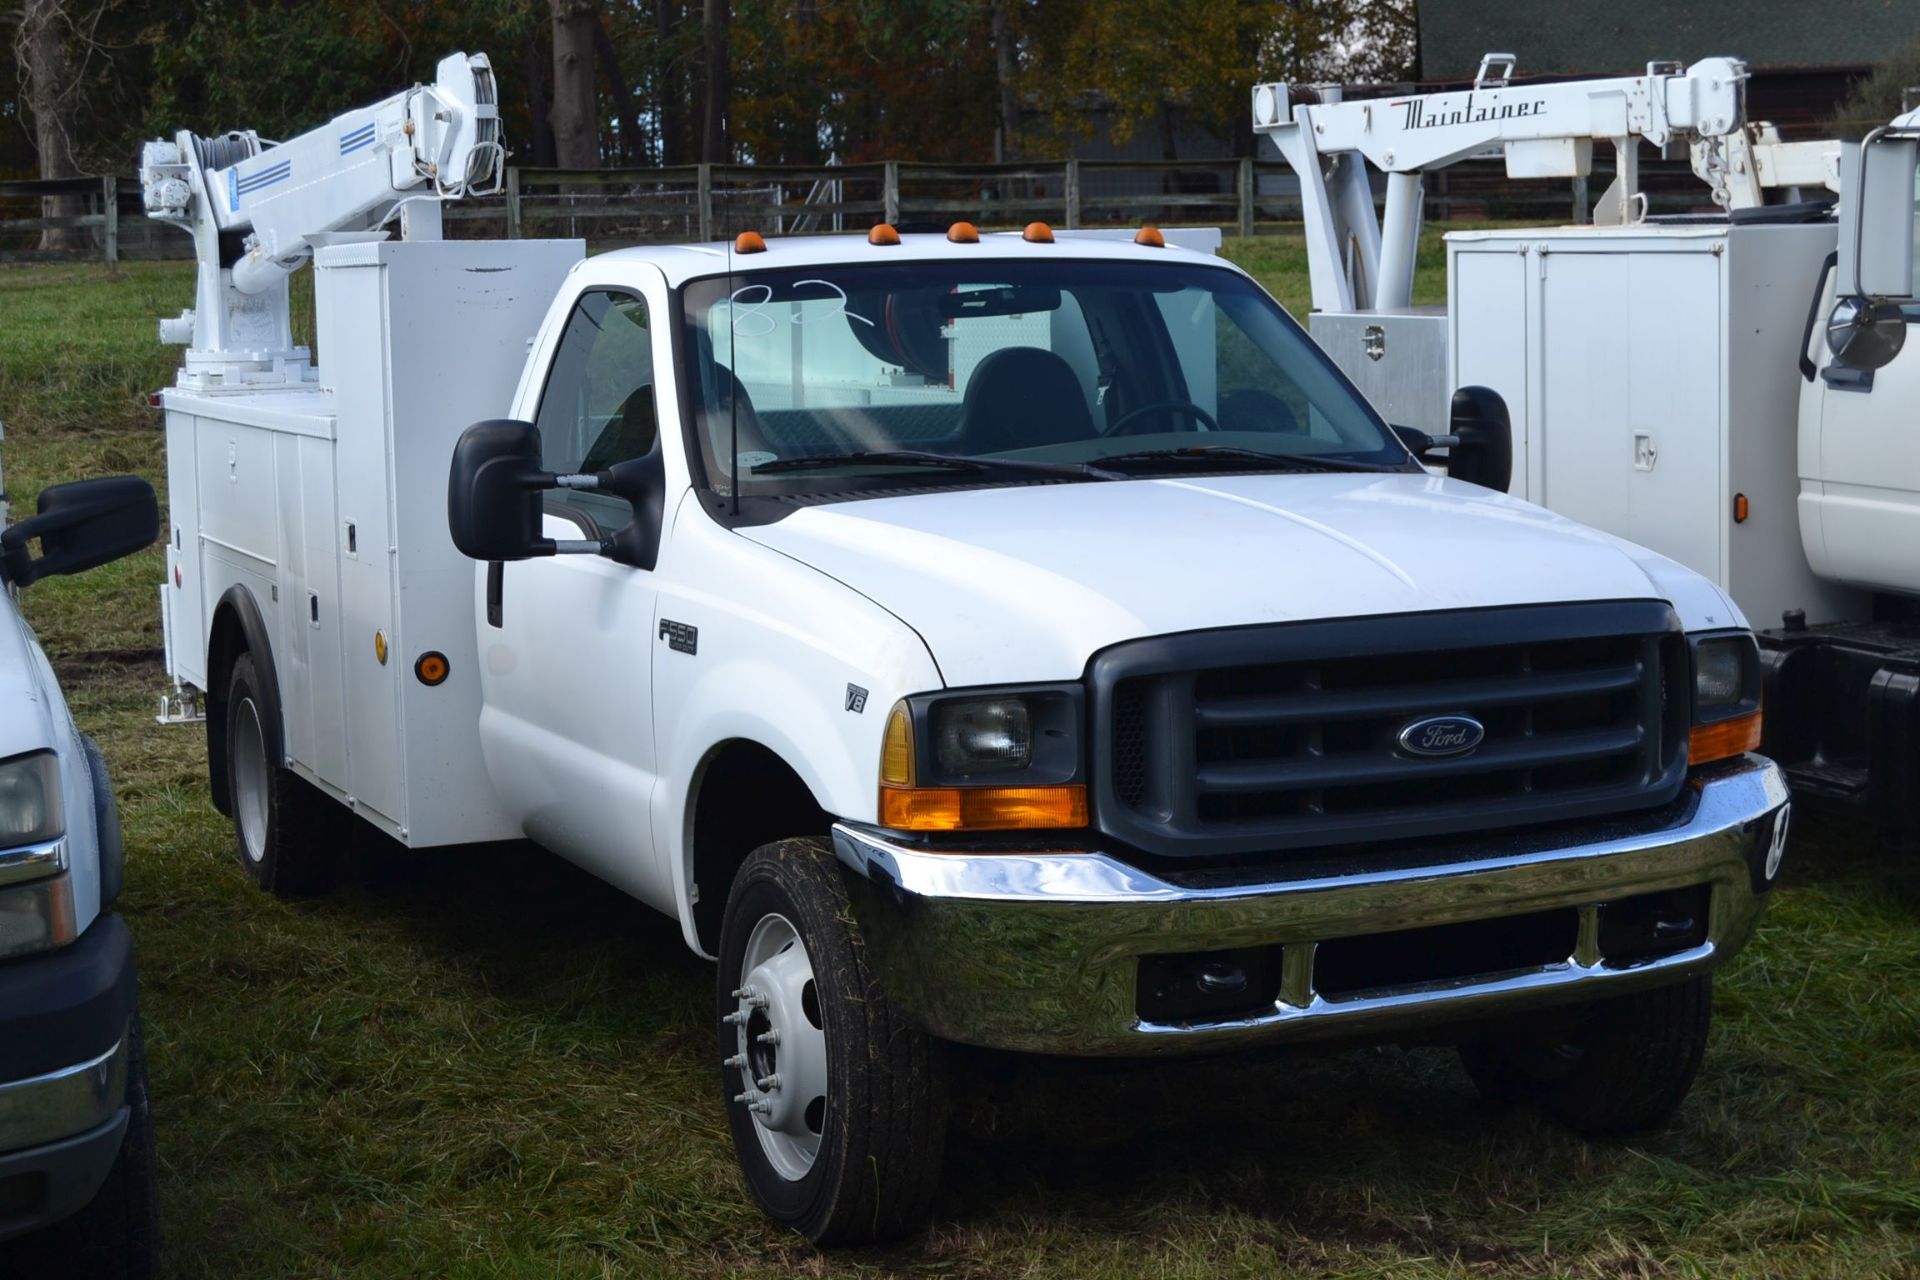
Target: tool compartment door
(1632,437)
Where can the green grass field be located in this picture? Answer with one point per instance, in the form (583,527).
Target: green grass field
(487,1064)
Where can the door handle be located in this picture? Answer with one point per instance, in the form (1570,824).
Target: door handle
(496,574)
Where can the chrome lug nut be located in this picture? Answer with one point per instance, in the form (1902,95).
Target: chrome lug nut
(771,1083)
(768,1037)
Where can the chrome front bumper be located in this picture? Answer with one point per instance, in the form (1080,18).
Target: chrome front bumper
(65,1103)
(1040,951)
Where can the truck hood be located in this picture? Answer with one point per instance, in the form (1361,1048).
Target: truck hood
(26,721)
(1026,583)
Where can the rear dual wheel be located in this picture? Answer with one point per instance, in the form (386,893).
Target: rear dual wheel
(290,835)
(836,1100)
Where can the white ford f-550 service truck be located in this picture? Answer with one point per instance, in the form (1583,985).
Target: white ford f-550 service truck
(76,1133)
(1025,641)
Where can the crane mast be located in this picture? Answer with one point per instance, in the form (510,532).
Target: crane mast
(257,210)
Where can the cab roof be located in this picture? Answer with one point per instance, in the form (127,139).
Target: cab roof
(684,262)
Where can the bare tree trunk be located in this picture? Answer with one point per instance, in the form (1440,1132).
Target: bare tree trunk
(1002,34)
(576,126)
(52,100)
(671,84)
(632,148)
(536,73)
(713,125)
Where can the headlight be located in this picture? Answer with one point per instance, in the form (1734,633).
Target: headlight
(30,810)
(984,760)
(1726,696)
(982,735)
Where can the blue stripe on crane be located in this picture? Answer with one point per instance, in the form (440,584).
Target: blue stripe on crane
(354,141)
(265,178)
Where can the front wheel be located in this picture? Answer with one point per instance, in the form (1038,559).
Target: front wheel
(835,1099)
(1608,1067)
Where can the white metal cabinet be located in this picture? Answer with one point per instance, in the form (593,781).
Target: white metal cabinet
(1652,375)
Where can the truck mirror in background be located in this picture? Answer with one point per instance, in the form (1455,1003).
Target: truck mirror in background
(80,525)
(493,492)
(1863,333)
(1876,217)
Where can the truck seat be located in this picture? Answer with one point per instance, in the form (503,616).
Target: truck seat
(1020,397)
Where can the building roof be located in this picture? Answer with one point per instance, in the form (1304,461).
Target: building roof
(1614,36)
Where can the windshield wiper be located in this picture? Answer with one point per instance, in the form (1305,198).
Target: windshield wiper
(1227,453)
(922,458)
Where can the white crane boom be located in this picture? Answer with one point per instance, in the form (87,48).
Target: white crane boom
(257,210)
(1357,261)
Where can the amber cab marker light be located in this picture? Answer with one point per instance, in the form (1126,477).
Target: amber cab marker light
(982,808)
(749,242)
(1037,233)
(884,234)
(1150,237)
(963,233)
(1710,742)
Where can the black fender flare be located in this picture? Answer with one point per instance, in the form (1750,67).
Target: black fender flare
(238,604)
(106,824)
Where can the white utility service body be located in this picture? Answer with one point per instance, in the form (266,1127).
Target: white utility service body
(823,596)
(1674,379)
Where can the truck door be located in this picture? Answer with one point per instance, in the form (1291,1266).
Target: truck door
(1860,431)
(567,717)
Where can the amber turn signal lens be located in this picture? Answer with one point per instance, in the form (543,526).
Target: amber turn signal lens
(432,668)
(884,234)
(963,233)
(749,242)
(982,808)
(1150,237)
(896,749)
(1710,742)
(1037,233)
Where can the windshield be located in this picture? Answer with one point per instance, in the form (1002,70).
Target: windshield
(1007,371)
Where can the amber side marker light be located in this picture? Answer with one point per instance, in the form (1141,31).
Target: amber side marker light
(884,234)
(1710,742)
(749,242)
(431,668)
(963,233)
(1740,508)
(982,808)
(1150,237)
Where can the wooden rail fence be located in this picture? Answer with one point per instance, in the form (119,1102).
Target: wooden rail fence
(704,202)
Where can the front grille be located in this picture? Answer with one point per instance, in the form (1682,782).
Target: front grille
(1283,737)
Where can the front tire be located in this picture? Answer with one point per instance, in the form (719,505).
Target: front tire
(836,1101)
(289,834)
(1613,1066)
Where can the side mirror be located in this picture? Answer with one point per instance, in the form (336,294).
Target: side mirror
(1480,447)
(1866,334)
(493,498)
(493,492)
(1482,442)
(81,525)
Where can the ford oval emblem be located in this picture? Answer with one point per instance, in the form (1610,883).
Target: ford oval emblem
(1442,736)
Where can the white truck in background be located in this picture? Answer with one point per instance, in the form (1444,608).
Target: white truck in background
(1729,389)
(77,1194)
(1021,640)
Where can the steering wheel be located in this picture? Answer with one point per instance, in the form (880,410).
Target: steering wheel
(1187,407)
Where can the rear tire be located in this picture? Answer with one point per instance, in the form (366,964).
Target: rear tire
(288,833)
(1609,1067)
(846,1147)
